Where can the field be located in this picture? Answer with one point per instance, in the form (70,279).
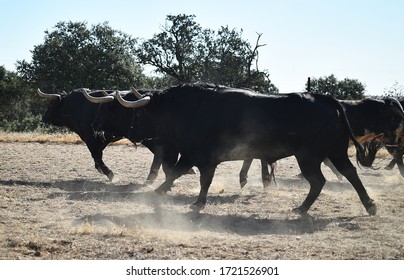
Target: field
(55,205)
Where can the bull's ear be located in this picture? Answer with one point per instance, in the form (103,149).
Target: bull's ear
(390,101)
(387,101)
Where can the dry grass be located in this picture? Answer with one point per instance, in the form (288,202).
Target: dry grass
(55,205)
(29,137)
(73,138)
(36,137)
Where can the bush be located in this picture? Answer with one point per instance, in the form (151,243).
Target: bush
(29,123)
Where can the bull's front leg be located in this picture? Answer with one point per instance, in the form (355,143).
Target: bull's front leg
(103,169)
(400,165)
(96,154)
(154,169)
(180,168)
(394,152)
(206,178)
(397,154)
(390,166)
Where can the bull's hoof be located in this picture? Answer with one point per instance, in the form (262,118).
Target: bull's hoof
(266,183)
(151,177)
(197,206)
(243,183)
(299,210)
(371,209)
(388,167)
(111,176)
(162,189)
(159,191)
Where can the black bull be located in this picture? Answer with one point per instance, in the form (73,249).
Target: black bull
(113,119)
(370,120)
(371,117)
(210,125)
(73,111)
(397,152)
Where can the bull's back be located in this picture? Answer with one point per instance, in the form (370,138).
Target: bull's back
(236,125)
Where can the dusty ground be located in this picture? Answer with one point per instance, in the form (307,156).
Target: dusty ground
(55,205)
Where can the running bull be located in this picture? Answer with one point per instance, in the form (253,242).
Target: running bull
(210,124)
(73,111)
(113,119)
(378,122)
(397,151)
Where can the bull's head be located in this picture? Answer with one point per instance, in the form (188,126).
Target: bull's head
(52,114)
(112,117)
(143,124)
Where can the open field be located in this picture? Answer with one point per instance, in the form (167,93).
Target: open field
(55,205)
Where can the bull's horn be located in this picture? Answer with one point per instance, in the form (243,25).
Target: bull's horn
(136,93)
(97,100)
(49,96)
(105,93)
(133,104)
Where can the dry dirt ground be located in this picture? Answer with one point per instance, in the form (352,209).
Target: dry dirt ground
(55,205)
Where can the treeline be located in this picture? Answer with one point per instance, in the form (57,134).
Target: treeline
(74,55)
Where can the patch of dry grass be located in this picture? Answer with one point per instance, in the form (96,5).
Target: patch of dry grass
(29,137)
(64,209)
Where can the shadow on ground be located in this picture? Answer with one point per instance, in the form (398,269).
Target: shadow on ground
(162,218)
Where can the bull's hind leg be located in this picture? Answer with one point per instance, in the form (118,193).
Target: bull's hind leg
(346,168)
(244,171)
(265,174)
(312,172)
(206,178)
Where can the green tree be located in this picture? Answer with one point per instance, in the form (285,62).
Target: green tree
(74,56)
(188,53)
(19,110)
(340,89)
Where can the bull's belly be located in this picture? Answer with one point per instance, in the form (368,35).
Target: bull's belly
(262,147)
(241,152)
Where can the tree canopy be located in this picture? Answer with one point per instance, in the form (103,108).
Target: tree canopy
(74,56)
(186,52)
(19,109)
(340,89)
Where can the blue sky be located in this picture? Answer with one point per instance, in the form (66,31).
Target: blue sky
(351,39)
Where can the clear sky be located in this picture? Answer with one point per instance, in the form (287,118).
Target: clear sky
(354,39)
